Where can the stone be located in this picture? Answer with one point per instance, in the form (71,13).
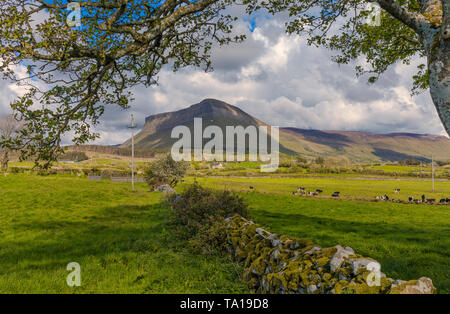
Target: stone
(339,257)
(359,263)
(313,250)
(166,189)
(274,264)
(311,289)
(263,233)
(423,285)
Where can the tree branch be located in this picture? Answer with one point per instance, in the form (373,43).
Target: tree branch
(445,19)
(415,21)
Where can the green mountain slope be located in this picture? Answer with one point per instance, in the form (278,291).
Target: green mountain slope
(354,146)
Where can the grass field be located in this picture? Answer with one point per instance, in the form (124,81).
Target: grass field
(350,188)
(123,242)
(410,241)
(120,239)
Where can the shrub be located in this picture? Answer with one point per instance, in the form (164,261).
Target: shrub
(199,208)
(212,239)
(165,171)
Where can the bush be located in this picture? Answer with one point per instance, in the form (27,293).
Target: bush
(212,239)
(165,171)
(199,208)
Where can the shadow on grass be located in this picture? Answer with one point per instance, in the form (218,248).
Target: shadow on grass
(112,229)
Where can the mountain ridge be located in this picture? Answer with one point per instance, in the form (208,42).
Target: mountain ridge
(351,145)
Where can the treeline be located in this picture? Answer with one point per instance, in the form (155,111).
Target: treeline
(113,150)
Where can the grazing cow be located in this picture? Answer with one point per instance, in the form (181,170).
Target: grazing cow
(431,200)
(335,194)
(423,198)
(443,200)
(300,188)
(396,191)
(319,191)
(294,193)
(386,198)
(252,188)
(410,199)
(448,200)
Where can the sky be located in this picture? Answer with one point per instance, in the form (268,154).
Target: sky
(280,80)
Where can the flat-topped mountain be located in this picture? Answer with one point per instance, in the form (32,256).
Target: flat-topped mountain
(352,145)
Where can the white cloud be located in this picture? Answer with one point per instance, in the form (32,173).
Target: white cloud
(282,81)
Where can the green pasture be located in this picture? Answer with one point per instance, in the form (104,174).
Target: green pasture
(410,241)
(120,239)
(350,188)
(124,243)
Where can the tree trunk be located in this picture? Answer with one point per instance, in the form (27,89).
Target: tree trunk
(437,45)
(439,71)
(4,161)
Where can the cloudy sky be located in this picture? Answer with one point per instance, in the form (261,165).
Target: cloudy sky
(282,81)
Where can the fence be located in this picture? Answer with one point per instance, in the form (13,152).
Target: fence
(117,179)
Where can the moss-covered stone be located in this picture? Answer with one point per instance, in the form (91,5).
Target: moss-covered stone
(283,264)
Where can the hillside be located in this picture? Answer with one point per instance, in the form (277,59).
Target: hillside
(353,146)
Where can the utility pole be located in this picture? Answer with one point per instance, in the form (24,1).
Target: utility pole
(132,152)
(432,170)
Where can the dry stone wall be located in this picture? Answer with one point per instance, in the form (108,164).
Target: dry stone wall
(281,264)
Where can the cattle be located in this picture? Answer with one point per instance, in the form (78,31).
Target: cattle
(335,194)
(431,200)
(396,191)
(423,198)
(443,200)
(448,200)
(252,188)
(300,188)
(319,191)
(386,198)
(294,193)
(410,199)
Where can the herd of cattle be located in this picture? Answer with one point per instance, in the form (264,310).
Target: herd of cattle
(301,191)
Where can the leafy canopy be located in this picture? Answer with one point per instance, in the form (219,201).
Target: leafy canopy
(74,72)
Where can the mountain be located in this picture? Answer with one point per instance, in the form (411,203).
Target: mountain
(354,146)
(156,133)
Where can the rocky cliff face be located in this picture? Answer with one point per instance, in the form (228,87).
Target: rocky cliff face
(157,129)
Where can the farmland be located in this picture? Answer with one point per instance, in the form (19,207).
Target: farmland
(120,239)
(350,188)
(124,242)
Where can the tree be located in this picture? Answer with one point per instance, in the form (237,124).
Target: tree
(74,72)
(9,128)
(320,160)
(408,28)
(165,171)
